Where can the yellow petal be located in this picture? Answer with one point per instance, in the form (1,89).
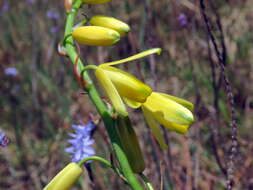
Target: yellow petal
(95,1)
(111,91)
(183,102)
(182,129)
(169,109)
(65,178)
(131,104)
(127,85)
(155,129)
(110,22)
(136,56)
(95,36)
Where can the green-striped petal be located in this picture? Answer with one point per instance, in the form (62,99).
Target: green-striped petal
(154,127)
(131,104)
(126,84)
(181,101)
(169,109)
(111,92)
(182,129)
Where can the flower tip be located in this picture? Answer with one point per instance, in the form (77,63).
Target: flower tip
(116,36)
(126,30)
(190,118)
(158,50)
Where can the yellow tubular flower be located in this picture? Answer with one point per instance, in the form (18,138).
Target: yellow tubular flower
(110,22)
(95,1)
(111,91)
(119,84)
(171,112)
(65,178)
(95,35)
(126,84)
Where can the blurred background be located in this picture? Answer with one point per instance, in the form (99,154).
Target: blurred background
(40,99)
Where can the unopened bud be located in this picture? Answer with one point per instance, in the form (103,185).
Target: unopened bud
(65,178)
(95,36)
(110,22)
(68,5)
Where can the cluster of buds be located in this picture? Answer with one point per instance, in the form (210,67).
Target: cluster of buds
(103,31)
(123,89)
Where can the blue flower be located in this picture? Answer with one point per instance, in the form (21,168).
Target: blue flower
(4,140)
(52,14)
(12,71)
(182,19)
(81,141)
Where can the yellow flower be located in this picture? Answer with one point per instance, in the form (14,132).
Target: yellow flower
(118,83)
(95,35)
(110,22)
(95,1)
(65,178)
(173,113)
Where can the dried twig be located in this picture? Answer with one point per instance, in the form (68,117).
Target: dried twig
(230,97)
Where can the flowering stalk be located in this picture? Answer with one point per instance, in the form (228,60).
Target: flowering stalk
(109,122)
(103,161)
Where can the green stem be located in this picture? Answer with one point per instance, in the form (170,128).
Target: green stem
(110,124)
(146,181)
(97,158)
(102,160)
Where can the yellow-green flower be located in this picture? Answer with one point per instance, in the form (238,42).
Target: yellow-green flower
(118,83)
(173,113)
(95,35)
(110,22)
(95,1)
(65,178)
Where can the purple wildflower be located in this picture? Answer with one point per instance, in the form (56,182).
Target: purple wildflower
(81,141)
(54,29)
(182,19)
(12,71)
(30,1)
(6,6)
(53,14)
(4,140)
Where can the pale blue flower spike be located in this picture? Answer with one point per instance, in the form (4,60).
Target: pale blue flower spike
(81,142)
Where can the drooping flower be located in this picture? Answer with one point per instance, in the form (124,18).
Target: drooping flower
(65,178)
(81,141)
(171,112)
(4,140)
(120,85)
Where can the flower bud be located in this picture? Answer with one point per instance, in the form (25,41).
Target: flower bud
(95,1)
(110,22)
(65,178)
(95,36)
(68,5)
